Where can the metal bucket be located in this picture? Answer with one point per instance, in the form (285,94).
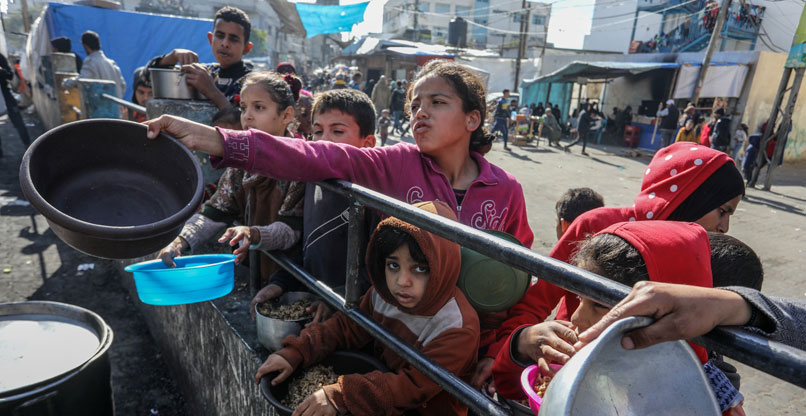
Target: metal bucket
(271,332)
(605,379)
(54,360)
(172,83)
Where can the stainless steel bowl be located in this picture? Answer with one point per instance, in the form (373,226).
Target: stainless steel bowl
(271,332)
(172,83)
(605,379)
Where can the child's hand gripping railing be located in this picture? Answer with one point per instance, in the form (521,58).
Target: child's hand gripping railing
(771,357)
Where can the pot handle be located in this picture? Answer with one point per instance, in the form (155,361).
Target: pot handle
(42,405)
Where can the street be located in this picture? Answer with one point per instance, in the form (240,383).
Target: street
(41,267)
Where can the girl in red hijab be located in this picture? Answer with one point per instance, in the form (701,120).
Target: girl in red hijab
(683,182)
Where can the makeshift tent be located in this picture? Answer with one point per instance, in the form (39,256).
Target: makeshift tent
(319,20)
(130,39)
(602,70)
(721,80)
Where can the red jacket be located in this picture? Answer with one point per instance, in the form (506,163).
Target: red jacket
(674,252)
(443,326)
(673,174)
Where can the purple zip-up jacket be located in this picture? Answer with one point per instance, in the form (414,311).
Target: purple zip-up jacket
(493,201)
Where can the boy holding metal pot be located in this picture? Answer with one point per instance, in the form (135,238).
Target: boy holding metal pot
(220,81)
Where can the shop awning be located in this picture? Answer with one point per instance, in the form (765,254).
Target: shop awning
(599,70)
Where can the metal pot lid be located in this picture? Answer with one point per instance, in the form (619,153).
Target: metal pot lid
(35,347)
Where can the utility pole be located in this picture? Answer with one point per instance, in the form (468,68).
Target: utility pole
(545,40)
(26,19)
(723,12)
(416,21)
(524,21)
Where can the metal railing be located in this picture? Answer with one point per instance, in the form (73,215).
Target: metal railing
(127,104)
(779,360)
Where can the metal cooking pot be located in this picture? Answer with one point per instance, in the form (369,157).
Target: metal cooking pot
(55,359)
(271,331)
(108,191)
(605,379)
(172,83)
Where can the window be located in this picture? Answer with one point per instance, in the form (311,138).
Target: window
(442,8)
(424,7)
(462,11)
(516,17)
(538,20)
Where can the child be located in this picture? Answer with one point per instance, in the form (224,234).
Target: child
(142,93)
(734,263)
(683,182)
(737,142)
(340,116)
(383,126)
(574,203)
(627,253)
(228,118)
(220,81)
(414,295)
(447,106)
(267,103)
(688,133)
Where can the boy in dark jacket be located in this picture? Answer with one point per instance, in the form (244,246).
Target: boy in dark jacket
(220,81)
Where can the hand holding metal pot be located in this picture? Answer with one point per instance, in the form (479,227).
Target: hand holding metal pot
(194,136)
(680,312)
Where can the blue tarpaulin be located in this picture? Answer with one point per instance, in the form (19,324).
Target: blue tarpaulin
(130,39)
(319,20)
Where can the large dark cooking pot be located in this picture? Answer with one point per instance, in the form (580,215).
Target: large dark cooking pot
(343,362)
(108,191)
(55,360)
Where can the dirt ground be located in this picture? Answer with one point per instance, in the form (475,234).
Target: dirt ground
(36,265)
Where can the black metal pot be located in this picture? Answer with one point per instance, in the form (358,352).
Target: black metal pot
(81,389)
(343,362)
(108,191)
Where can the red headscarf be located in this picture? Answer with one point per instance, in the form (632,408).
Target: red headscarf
(674,252)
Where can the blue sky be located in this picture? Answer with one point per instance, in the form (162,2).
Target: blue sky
(570,21)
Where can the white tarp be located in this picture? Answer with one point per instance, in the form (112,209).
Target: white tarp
(502,70)
(720,81)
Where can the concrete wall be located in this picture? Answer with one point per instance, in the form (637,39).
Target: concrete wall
(211,349)
(763,87)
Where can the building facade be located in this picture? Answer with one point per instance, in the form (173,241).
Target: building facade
(491,25)
(672,25)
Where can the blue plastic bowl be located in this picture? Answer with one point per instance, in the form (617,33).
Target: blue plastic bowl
(195,279)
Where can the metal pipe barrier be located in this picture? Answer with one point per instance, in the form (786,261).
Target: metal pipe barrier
(774,358)
(127,104)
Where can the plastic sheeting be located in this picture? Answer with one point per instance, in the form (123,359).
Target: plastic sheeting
(319,20)
(720,81)
(535,92)
(602,70)
(130,39)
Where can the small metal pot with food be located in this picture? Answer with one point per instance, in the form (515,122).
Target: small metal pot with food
(281,317)
(172,83)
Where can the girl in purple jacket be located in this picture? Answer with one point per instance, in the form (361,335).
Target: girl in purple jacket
(447,105)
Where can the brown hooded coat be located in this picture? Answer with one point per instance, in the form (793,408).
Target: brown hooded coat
(443,326)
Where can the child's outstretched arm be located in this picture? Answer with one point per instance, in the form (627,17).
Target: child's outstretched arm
(298,160)
(275,236)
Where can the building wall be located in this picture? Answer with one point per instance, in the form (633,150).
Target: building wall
(612,26)
(502,26)
(763,87)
